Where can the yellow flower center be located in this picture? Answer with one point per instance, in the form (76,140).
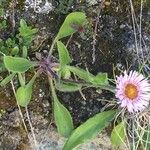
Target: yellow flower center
(131,91)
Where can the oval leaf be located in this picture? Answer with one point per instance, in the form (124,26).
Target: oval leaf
(118,134)
(75,18)
(17,64)
(64,57)
(89,129)
(67,87)
(62,117)
(23,95)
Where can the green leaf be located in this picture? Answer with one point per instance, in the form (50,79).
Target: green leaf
(82,74)
(23,23)
(30,83)
(74,18)
(21,79)
(100,79)
(10,43)
(26,33)
(64,57)
(17,64)
(24,52)
(7,79)
(15,50)
(65,73)
(118,134)
(2,13)
(23,95)
(67,87)
(25,30)
(89,129)
(62,117)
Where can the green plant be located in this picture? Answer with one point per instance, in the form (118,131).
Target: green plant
(59,77)
(12,47)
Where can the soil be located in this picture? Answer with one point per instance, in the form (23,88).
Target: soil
(114,50)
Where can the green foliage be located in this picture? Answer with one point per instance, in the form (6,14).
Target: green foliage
(3,25)
(75,18)
(89,129)
(17,64)
(118,134)
(64,57)
(25,38)
(7,79)
(2,12)
(7,46)
(24,52)
(82,74)
(62,117)
(26,33)
(67,87)
(65,73)
(18,44)
(23,95)
(14,52)
(21,79)
(100,79)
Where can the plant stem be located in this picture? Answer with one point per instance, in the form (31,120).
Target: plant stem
(31,127)
(52,86)
(30,83)
(21,79)
(103,87)
(20,112)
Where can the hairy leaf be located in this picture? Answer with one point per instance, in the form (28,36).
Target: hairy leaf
(23,95)
(64,57)
(17,64)
(100,79)
(62,117)
(73,19)
(82,74)
(89,129)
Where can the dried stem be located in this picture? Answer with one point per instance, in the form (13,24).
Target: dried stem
(31,127)
(95,32)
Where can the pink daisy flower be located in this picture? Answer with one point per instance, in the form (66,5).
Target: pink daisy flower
(133,91)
